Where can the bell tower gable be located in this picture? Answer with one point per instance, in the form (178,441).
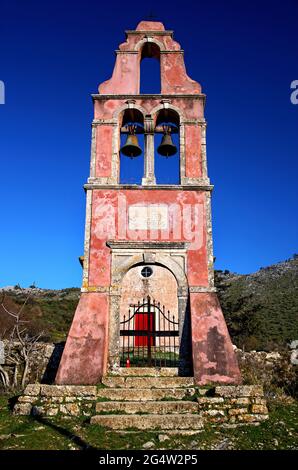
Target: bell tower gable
(157,41)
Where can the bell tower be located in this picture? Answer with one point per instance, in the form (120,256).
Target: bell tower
(148,297)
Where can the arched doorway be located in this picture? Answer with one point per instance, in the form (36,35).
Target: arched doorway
(149,320)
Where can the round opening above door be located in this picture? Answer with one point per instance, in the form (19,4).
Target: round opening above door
(147,271)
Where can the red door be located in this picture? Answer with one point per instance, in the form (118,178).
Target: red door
(142,324)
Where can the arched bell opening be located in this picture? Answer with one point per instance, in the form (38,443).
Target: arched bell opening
(131,147)
(150,75)
(149,318)
(167,147)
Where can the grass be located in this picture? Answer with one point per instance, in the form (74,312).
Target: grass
(64,433)
(159,358)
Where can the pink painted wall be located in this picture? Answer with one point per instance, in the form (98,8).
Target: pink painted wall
(173,76)
(125,78)
(103,166)
(193,163)
(214,359)
(85,353)
(191,107)
(108,225)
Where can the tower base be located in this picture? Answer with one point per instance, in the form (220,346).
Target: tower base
(214,359)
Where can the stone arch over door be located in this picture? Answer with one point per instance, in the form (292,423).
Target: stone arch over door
(161,286)
(127,255)
(156,285)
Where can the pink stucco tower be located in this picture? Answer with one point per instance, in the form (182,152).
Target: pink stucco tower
(148,295)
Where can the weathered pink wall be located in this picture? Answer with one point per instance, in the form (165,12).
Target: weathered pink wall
(85,353)
(191,108)
(193,163)
(173,76)
(214,359)
(124,76)
(103,151)
(105,226)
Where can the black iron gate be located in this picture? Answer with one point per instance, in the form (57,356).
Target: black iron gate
(148,336)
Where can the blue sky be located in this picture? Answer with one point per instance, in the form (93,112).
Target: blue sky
(54,54)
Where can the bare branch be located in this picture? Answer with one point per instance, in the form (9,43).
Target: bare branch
(14,315)
(24,303)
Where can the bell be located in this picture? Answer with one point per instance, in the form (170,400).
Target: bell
(131,147)
(167,148)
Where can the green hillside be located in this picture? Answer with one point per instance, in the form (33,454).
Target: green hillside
(261,309)
(50,311)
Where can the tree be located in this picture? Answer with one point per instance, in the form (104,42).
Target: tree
(21,346)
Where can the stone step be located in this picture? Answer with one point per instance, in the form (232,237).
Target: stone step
(152,407)
(147,371)
(145,394)
(170,432)
(148,382)
(151,421)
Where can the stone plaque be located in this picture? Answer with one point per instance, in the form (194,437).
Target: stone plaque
(148,217)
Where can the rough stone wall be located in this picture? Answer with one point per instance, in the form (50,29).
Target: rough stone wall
(234,405)
(49,400)
(43,363)
(275,370)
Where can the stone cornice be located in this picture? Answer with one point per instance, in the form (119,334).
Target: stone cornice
(114,290)
(97,96)
(195,122)
(117,51)
(158,187)
(114,122)
(146,245)
(150,33)
(166,51)
(98,289)
(201,289)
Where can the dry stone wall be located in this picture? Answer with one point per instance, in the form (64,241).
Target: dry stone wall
(230,404)
(43,363)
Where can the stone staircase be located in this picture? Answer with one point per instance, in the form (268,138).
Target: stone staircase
(162,401)
(147,399)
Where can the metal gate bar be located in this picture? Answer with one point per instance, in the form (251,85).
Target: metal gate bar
(140,340)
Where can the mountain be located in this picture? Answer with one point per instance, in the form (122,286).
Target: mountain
(50,311)
(261,309)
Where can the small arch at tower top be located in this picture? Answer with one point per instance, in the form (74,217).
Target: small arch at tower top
(150,74)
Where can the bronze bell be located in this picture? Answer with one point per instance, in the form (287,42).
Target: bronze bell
(167,148)
(131,147)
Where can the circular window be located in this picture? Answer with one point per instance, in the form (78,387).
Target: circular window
(146,271)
